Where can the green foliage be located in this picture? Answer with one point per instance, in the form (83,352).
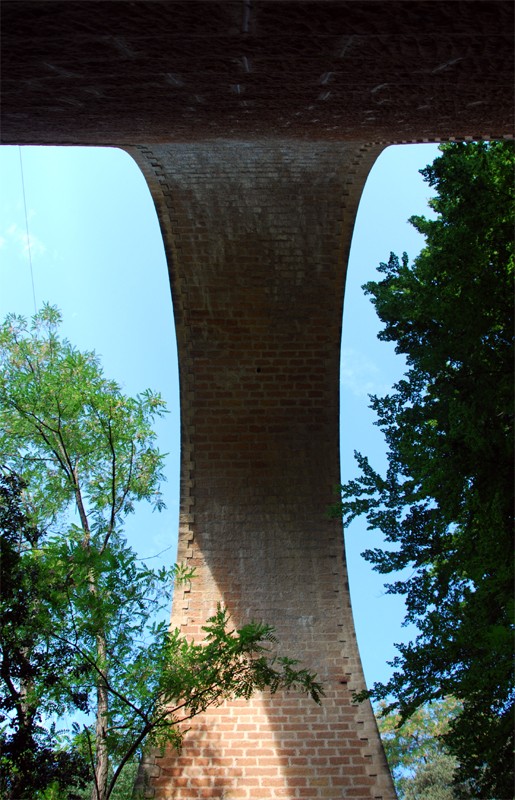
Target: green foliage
(122,791)
(434,780)
(179,679)
(31,757)
(416,753)
(445,506)
(71,433)
(86,454)
(79,607)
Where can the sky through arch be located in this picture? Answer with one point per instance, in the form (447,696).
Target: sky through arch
(97,253)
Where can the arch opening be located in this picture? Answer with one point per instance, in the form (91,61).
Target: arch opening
(393,192)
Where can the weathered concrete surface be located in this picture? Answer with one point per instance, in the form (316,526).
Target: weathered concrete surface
(124,72)
(257,237)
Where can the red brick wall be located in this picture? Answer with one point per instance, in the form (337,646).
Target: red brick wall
(257,236)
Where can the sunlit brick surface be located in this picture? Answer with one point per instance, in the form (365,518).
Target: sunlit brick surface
(257,237)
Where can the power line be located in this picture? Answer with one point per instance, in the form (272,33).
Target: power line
(27,229)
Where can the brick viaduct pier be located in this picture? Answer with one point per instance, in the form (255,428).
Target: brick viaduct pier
(256,123)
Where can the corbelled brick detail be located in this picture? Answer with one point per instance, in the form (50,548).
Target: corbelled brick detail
(257,237)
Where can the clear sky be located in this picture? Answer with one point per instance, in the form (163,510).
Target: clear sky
(97,254)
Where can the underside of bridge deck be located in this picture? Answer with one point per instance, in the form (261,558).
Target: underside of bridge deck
(255,123)
(120,72)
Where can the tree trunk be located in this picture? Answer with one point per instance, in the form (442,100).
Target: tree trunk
(26,713)
(101,755)
(99,791)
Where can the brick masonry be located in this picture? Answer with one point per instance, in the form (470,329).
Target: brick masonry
(245,118)
(257,237)
(125,72)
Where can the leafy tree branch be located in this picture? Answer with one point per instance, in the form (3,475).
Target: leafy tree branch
(445,505)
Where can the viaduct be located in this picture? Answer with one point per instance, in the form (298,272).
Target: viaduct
(256,123)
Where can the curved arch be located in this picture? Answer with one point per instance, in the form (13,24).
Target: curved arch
(257,237)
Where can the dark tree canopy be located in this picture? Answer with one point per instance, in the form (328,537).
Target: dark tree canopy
(31,663)
(445,506)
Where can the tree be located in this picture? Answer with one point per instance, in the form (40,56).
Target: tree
(445,505)
(84,454)
(421,766)
(76,441)
(30,662)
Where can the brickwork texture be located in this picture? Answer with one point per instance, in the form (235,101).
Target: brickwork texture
(257,237)
(248,119)
(125,72)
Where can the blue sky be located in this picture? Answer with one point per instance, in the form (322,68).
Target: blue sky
(97,254)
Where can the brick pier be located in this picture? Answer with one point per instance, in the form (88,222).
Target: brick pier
(257,238)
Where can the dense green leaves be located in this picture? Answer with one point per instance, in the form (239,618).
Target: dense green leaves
(421,766)
(445,505)
(38,674)
(70,432)
(85,454)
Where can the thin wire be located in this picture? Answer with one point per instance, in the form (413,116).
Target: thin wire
(27,229)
